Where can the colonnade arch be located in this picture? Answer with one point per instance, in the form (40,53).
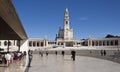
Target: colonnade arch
(103,43)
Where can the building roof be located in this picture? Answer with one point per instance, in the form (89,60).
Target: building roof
(10,25)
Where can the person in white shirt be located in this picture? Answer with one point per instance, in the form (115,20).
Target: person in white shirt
(8,58)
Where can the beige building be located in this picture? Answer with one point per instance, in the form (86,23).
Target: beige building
(65,36)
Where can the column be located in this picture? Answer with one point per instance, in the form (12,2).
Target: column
(118,42)
(18,45)
(88,43)
(106,43)
(113,42)
(91,42)
(43,43)
(98,43)
(8,46)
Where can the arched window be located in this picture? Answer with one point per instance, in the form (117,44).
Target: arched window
(103,43)
(116,42)
(41,43)
(96,43)
(30,43)
(100,43)
(34,44)
(111,43)
(5,43)
(9,43)
(107,43)
(66,22)
(38,44)
(93,43)
(0,43)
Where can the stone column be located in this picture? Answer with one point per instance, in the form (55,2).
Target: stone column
(101,42)
(88,43)
(118,42)
(91,42)
(105,42)
(18,45)
(8,46)
(113,42)
(43,43)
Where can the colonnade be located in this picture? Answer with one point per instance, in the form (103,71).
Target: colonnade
(102,42)
(37,43)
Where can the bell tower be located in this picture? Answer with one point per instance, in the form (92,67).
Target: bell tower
(66,19)
(66,33)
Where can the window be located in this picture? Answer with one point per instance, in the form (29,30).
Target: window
(5,43)
(41,43)
(103,43)
(116,42)
(93,43)
(111,43)
(30,43)
(34,44)
(66,22)
(38,44)
(9,43)
(100,43)
(107,43)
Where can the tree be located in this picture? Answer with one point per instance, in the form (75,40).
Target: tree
(109,36)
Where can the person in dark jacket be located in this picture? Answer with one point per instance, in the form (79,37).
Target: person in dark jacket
(30,59)
(63,53)
(56,52)
(73,53)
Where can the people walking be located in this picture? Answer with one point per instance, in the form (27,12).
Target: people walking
(46,53)
(104,52)
(8,58)
(12,56)
(73,53)
(63,53)
(56,52)
(41,54)
(30,59)
(101,52)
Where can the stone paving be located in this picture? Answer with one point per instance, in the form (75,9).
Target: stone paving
(59,63)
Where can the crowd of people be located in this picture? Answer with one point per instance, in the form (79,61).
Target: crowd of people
(10,57)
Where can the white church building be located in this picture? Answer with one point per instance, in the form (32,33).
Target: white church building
(64,38)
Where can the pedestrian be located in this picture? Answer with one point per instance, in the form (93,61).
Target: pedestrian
(63,53)
(41,54)
(56,52)
(4,59)
(46,53)
(24,53)
(8,58)
(30,59)
(73,53)
(104,52)
(12,56)
(101,52)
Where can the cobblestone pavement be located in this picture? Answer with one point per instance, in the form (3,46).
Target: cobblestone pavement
(59,63)
(16,66)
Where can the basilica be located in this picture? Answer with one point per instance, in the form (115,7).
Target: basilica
(64,38)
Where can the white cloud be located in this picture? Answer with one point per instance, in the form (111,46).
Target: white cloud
(83,18)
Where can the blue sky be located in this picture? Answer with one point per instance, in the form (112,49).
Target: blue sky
(88,18)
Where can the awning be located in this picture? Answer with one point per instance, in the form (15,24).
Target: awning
(10,25)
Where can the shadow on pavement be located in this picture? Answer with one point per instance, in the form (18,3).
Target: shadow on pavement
(27,69)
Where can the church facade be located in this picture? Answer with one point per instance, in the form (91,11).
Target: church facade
(65,35)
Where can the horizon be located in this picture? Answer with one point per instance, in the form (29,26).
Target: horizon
(88,19)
